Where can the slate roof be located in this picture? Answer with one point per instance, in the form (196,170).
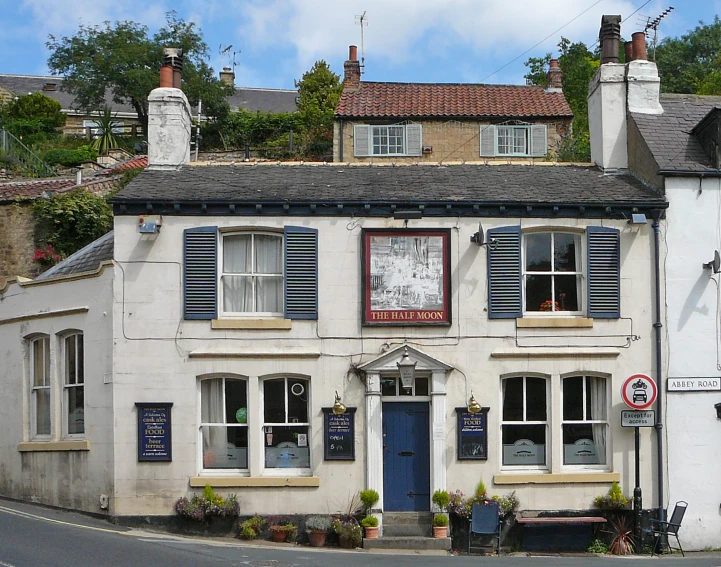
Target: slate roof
(437,100)
(325,184)
(15,190)
(267,100)
(86,259)
(668,135)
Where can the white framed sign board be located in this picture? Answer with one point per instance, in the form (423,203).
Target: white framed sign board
(630,418)
(694,384)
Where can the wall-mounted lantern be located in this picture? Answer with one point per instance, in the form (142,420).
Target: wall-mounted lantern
(407,369)
(718,410)
(473,406)
(338,406)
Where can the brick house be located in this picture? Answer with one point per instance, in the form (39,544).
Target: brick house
(432,122)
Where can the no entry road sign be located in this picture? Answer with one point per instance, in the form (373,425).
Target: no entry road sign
(639,391)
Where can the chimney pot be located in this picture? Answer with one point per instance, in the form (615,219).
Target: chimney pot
(166,76)
(353,53)
(608,38)
(639,46)
(628,50)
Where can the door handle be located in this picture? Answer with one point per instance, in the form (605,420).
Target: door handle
(406,454)
(411,494)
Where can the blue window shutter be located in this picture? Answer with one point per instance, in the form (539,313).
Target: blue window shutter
(301,273)
(504,273)
(200,273)
(488,140)
(604,272)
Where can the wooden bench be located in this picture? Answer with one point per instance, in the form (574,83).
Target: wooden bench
(562,520)
(558,533)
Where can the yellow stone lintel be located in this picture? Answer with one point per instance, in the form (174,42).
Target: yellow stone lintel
(253,324)
(46,446)
(554,323)
(557,478)
(254,481)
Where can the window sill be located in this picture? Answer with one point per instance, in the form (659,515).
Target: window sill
(557,478)
(255,324)
(254,481)
(554,323)
(46,446)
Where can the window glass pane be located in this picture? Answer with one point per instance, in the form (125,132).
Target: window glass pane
(538,293)
(269,294)
(519,141)
(422,387)
(211,401)
(237,253)
(237,294)
(566,289)
(268,254)
(81,360)
(76,414)
(524,444)
(42,411)
(224,447)
(70,360)
(513,399)
(297,401)
(535,399)
(274,401)
(287,447)
(584,444)
(504,140)
(39,362)
(388,387)
(235,399)
(573,398)
(564,252)
(405,391)
(538,252)
(596,397)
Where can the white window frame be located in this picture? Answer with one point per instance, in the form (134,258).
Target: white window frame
(404,141)
(547,423)
(580,273)
(513,128)
(290,471)
(46,371)
(78,380)
(252,275)
(585,420)
(224,471)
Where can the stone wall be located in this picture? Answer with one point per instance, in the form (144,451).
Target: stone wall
(17,244)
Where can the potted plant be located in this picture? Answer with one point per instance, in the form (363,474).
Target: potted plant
(369,498)
(440,525)
(250,528)
(317,527)
(370,523)
(283,532)
(211,511)
(349,532)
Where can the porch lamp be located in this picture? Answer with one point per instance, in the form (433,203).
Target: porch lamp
(473,406)
(407,369)
(338,406)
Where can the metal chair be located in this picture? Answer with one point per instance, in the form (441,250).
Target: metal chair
(659,529)
(485,520)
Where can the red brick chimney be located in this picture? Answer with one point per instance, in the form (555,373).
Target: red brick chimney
(555,75)
(351,70)
(639,46)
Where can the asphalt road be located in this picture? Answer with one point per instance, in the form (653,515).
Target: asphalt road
(33,536)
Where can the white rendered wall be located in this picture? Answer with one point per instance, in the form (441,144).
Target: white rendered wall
(694,310)
(607,117)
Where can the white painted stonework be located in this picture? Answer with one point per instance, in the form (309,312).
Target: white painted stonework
(169,128)
(607,117)
(644,86)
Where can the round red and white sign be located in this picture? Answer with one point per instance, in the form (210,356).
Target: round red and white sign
(639,391)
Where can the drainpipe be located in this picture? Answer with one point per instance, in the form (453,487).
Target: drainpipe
(659,381)
(340,147)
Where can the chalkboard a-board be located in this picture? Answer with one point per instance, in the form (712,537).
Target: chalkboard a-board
(471,434)
(339,435)
(154,431)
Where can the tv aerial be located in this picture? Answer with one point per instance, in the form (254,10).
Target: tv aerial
(653,23)
(226,52)
(362,21)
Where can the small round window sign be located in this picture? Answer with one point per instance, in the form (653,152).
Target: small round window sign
(639,391)
(242,415)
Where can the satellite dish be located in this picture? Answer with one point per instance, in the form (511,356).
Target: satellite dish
(478,237)
(714,264)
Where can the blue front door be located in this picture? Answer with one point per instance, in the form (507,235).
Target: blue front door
(406,456)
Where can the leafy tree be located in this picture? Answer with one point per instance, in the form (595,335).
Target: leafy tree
(33,115)
(122,59)
(318,93)
(691,64)
(265,131)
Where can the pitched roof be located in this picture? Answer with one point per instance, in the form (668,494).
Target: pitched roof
(406,100)
(668,135)
(267,100)
(138,162)
(32,189)
(371,189)
(84,260)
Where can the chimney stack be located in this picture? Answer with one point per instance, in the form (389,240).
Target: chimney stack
(351,70)
(554,77)
(609,37)
(227,76)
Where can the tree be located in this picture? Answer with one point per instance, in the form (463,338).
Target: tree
(33,115)
(123,60)
(691,64)
(318,93)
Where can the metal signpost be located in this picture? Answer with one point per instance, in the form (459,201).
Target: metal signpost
(639,393)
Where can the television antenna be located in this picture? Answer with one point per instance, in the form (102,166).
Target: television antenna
(362,21)
(226,52)
(652,24)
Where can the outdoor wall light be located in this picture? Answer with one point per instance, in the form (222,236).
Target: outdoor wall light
(338,406)
(637,218)
(718,410)
(407,369)
(473,406)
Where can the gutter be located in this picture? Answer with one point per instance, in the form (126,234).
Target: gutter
(689,173)
(657,325)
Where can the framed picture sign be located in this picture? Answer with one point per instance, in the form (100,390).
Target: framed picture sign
(406,277)
(339,435)
(471,434)
(154,431)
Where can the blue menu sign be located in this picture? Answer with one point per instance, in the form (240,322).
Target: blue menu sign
(154,432)
(339,435)
(472,434)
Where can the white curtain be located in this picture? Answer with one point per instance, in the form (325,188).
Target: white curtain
(597,393)
(268,260)
(250,254)
(579,282)
(237,259)
(211,411)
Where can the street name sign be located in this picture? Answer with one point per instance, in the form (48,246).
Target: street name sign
(694,384)
(630,418)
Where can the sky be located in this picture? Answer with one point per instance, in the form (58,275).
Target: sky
(273,42)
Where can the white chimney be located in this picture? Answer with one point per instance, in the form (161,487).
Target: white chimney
(169,127)
(644,87)
(607,117)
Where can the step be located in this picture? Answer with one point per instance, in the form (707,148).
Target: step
(422,530)
(405,518)
(408,542)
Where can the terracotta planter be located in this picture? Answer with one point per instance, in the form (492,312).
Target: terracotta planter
(440,531)
(372,532)
(278,536)
(317,537)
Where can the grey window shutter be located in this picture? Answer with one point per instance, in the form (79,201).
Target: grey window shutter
(200,273)
(504,273)
(604,272)
(361,140)
(301,273)
(539,140)
(488,140)
(414,139)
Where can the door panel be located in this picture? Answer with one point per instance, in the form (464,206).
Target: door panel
(406,456)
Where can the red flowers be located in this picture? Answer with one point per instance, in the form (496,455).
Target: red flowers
(46,256)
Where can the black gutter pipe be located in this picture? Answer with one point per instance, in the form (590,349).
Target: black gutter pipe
(659,364)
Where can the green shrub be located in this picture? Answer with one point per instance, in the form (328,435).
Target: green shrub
(210,504)
(318,523)
(369,522)
(369,498)
(440,521)
(597,546)
(250,528)
(441,499)
(70,158)
(614,500)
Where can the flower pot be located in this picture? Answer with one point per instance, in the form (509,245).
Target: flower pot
(372,532)
(440,531)
(317,537)
(278,536)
